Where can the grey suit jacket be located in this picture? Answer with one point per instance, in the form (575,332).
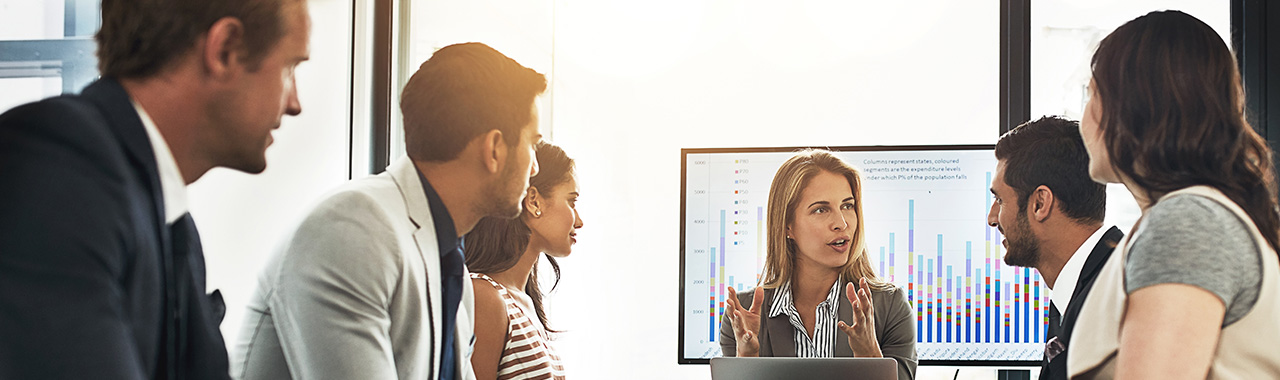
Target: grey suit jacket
(354,293)
(894,329)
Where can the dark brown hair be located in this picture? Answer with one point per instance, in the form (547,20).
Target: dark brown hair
(464,91)
(1050,152)
(139,38)
(1173,114)
(495,244)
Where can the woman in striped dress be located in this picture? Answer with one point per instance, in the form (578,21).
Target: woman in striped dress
(512,337)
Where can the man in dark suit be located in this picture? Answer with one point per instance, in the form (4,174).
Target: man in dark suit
(101,269)
(1050,213)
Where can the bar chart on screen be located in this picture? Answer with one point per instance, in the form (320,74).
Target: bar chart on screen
(968,304)
(925,224)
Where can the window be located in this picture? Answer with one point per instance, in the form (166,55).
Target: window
(521,30)
(1064,35)
(46,48)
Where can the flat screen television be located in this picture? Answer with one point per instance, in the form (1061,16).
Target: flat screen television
(925,213)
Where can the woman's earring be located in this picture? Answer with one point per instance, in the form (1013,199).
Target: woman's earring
(537,213)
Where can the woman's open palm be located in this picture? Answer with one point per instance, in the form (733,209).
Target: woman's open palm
(746,323)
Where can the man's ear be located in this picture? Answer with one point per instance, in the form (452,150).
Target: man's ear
(1041,203)
(222,48)
(493,150)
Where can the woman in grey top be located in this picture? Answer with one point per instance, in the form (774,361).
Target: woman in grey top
(817,277)
(1166,119)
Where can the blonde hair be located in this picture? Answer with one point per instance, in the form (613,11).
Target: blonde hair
(784,194)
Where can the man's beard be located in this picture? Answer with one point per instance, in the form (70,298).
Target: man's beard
(503,199)
(1024,248)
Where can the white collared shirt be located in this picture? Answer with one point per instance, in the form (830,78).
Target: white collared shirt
(823,343)
(172,186)
(1070,274)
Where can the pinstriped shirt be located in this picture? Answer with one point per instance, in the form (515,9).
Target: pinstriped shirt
(823,342)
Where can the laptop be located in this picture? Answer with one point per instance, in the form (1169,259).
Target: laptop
(804,368)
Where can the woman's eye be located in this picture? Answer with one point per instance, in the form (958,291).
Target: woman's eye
(846,206)
(819,210)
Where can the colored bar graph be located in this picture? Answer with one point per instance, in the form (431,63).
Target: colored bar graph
(1026,305)
(960,320)
(912,276)
(929,319)
(891,255)
(1001,314)
(720,304)
(949,298)
(938,274)
(761,249)
(968,291)
(920,314)
(1037,320)
(967,302)
(987,278)
(1017,311)
(714,320)
(1006,315)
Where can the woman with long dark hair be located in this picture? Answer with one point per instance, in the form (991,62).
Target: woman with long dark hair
(1193,291)
(512,336)
(820,297)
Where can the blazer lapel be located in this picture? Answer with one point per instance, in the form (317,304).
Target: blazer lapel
(776,336)
(845,313)
(1092,265)
(117,110)
(406,178)
(1099,255)
(127,126)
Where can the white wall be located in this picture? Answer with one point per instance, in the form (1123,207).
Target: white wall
(635,82)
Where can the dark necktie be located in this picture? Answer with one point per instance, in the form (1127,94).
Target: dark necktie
(451,270)
(200,351)
(182,238)
(1054,345)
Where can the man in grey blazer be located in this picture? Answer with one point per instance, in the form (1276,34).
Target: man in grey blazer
(370,285)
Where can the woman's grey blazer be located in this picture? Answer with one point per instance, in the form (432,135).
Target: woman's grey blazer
(894,329)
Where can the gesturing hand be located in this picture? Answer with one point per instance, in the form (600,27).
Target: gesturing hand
(746,323)
(862,334)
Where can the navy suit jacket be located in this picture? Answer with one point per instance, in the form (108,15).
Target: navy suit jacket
(1061,325)
(93,284)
